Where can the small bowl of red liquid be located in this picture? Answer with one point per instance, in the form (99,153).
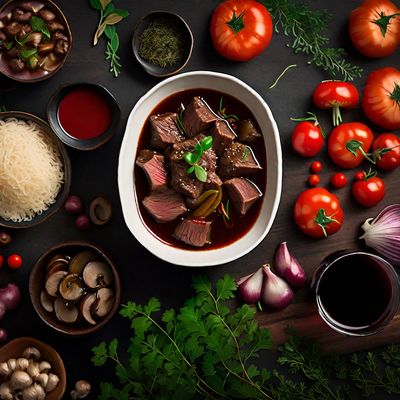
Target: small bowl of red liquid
(83,115)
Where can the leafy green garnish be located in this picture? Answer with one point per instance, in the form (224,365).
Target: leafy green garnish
(8,45)
(245,153)
(193,158)
(39,25)
(25,54)
(208,350)
(307,29)
(109,17)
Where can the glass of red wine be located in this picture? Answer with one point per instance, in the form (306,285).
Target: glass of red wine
(357,293)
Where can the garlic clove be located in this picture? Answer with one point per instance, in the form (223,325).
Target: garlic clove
(20,380)
(12,364)
(276,293)
(4,370)
(250,288)
(287,266)
(32,352)
(33,369)
(22,364)
(44,366)
(6,392)
(52,382)
(42,379)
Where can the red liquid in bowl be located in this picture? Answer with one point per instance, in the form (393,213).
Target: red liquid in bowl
(84,114)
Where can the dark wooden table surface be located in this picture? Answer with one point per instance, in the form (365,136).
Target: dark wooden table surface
(95,173)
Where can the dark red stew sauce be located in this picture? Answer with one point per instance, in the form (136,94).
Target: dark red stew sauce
(221,236)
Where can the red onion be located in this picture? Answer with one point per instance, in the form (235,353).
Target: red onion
(73,205)
(250,287)
(383,233)
(10,296)
(288,267)
(276,293)
(5,239)
(83,223)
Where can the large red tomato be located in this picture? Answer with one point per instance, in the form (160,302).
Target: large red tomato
(348,144)
(374,28)
(369,191)
(241,29)
(318,213)
(381,98)
(386,149)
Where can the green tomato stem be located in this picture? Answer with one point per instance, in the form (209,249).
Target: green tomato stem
(336,115)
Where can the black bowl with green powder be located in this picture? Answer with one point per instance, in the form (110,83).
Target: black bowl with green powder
(162,43)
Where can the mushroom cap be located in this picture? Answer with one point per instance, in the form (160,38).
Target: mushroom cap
(64,313)
(20,380)
(100,210)
(86,308)
(53,282)
(46,301)
(71,287)
(104,302)
(97,274)
(80,261)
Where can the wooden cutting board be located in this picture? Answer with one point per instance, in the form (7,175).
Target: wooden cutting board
(305,319)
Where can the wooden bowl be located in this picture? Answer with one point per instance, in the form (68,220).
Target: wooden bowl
(185,33)
(38,75)
(83,144)
(15,348)
(64,191)
(36,285)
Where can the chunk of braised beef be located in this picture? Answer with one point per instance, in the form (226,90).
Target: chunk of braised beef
(55,26)
(59,36)
(214,182)
(238,160)
(17,65)
(198,117)
(13,29)
(46,15)
(246,131)
(61,48)
(183,182)
(243,193)
(21,15)
(154,167)
(164,206)
(164,130)
(194,232)
(223,136)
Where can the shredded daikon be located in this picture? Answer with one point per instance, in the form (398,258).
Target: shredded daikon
(31,171)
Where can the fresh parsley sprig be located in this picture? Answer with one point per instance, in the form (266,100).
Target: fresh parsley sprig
(109,17)
(193,158)
(307,29)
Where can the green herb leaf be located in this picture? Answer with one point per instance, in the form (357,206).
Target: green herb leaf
(113,19)
(190,170)
(27,53)
(100,354)
(206,143)
(39,25)
(109,9)
(200,173)
(8,45)
(226,288)
(110,31)
(95,4)
(245,153)
(114,43)
(104,3)
(190,158)
(121,13)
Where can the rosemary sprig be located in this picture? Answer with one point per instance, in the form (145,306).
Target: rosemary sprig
(109,17)
(307,29)
(179,120)
(222,111)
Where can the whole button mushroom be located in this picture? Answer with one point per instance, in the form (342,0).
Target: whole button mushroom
(82,390)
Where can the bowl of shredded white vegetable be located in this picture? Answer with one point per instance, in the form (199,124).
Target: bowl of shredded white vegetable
(35,171)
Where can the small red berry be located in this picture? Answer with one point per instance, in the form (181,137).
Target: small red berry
(14,261)
(359,176)
(313,180)
(338,180)
(316,166)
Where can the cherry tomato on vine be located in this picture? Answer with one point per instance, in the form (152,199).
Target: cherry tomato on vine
(335,94)
(359,176)
(338,180)
(318,213)
(241,29)
(313,180)
(381,98)
(308,137)
(348,144)
(14,261)
(316,166)
(374,28)
(386,151)
(369,191)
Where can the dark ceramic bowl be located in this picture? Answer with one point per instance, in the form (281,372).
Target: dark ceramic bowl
(178,23)
(82,144)
(38,75)
(64,191)
(36,285)
(15,348)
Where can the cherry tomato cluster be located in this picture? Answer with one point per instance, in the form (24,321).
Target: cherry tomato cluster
(14,261)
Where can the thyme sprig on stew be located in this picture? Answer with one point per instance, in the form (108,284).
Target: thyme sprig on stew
(245,153)
(307,29)
(193,158)
(179,120)
(109,17)
(222,111)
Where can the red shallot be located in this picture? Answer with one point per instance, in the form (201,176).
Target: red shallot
(250,287)
(383,233)
(276,293)
(288,267)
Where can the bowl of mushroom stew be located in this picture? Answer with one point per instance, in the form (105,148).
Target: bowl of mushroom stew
(75,288)
(35,40)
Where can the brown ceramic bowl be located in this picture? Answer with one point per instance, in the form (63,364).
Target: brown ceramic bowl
(64,191)
(26,75)
(36,285)
(15,348)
